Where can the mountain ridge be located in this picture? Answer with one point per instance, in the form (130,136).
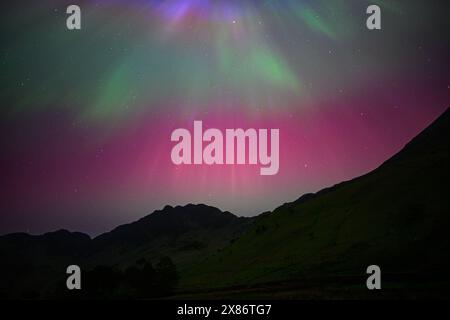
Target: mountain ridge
(438,122)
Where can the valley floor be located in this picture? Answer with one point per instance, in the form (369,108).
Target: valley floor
(348,287)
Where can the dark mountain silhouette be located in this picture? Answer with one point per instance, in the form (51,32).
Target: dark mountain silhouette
(170,222)
(320,245)
(29,263)
(183,233)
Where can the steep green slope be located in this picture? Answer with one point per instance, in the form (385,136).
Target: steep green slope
(397,216)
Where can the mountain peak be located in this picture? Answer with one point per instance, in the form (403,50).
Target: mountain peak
(171,222)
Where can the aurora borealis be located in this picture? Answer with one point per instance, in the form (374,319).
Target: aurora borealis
(86,115)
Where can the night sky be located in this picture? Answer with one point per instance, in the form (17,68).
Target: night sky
(86,115)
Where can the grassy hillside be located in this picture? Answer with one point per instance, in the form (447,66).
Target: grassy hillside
(397,217)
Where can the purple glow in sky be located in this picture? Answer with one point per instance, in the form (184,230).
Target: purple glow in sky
(87,116)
